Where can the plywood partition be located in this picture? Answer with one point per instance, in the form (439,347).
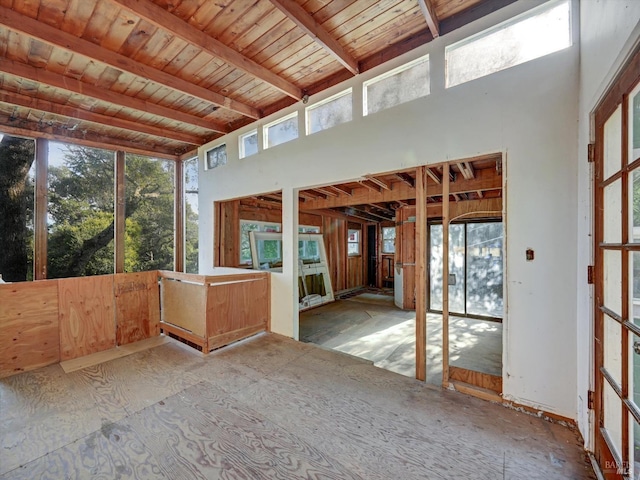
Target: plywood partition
(137,306)
(86,315)
(28,326)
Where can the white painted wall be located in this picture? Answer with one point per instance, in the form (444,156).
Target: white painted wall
(608,31)
(529,112)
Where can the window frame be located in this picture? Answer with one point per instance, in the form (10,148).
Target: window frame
(206,156)
(389,74)
(356,242)
(385,252)
(241,150)
(267,126)
(315,106)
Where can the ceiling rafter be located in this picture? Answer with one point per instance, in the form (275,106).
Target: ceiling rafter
(58,38)
(165,20)
(311,27)
(27,128)
(374,187)
(406,178)
(88,116)
(382,209)
(369,211)
(326,192)
(379,182)
(343,190)
(353,212)
(430,16)
(69,84)
(434,176)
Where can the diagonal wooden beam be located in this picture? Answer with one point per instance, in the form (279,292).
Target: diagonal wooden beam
(311,27)
(430,16)
(165,20)
(470,169)
(406,178)
(374,187)
(58,38)
(343,190)
(377,181)
(86,89)
(434,176)
(326,192)
(88,116)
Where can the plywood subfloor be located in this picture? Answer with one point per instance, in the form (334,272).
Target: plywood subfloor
(265,408)
(370,326)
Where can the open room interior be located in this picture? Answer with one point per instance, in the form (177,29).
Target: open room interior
(267,238)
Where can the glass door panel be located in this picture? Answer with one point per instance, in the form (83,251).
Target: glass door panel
(484,269)
(612,354)
(457,282)
(634,124)
(612,212)
(634,207)
(613,143)
(613,417)
(435,267)
(612,270)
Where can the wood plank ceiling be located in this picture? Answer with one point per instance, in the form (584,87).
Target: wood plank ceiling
(162,77)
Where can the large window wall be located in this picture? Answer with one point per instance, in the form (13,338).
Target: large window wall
(76,203)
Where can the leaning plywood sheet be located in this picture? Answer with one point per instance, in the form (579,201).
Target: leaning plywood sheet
(184,305)
(137,299)
(236,310)
(87,321)
(28,326)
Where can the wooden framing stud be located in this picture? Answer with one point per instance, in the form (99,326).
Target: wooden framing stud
(119,212)
(40,212)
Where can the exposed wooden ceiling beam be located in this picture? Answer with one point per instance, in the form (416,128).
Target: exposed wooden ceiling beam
(30,129)
(434,176)
(353,212)
(383,209)
(311,27)
(84,115)
(406,178)
(58,38)
(165,20)
(430,16)
(373,187)
(86,89)
(341,189)
(307,195)
(485,179)
(326,192)
(479,193)
(470,170)
(369,211)
(379,182)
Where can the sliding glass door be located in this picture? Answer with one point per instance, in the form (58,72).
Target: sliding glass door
(475,268)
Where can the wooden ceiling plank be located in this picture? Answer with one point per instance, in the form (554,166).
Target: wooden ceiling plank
(88,116)
(430,16)
(76,86)
(45,33)
(379,182)
(312,28)
(167,21)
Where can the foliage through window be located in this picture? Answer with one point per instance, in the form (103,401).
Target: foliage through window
(216,157)
(17,173)
(388,239)
(330,112)
(529,36)
(191,215)
(248,143)
(353,242)
(281,131)
(149,215)
(398,86)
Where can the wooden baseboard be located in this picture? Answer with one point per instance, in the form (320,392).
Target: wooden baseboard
(221,340)
(182,333)
(471,377)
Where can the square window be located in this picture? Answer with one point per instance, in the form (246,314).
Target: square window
(353,242)
(330,112)
(216,157)
(248,144)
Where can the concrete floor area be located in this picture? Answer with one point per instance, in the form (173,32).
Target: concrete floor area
(371,327)
(265,408)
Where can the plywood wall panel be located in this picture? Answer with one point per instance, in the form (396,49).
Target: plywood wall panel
(355,272)
(86,316)
(137,303)
(28,326)
(237,306)
(184,305)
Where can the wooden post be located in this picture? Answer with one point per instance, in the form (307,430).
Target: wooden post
(178,239)
(421,273)
(119,213)
(40,210)
(445,275)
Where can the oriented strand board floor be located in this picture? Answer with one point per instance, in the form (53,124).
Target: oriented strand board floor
(265,408)
(370,326)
